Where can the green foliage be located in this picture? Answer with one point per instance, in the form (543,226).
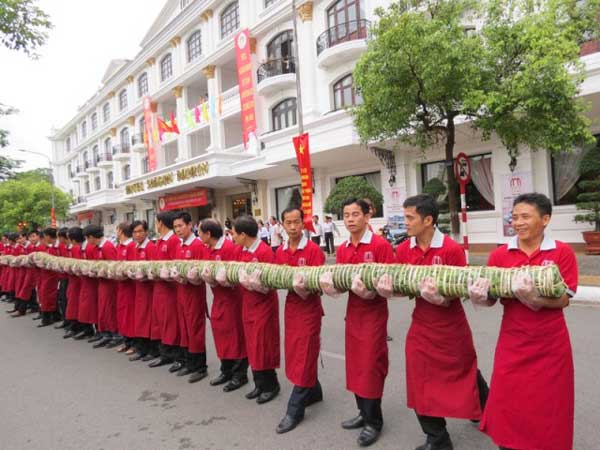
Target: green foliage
(515,77)
(27,197)
(589,200)
(351,187)
(436,188)
(23,26)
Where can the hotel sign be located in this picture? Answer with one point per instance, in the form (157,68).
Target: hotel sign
(183,174)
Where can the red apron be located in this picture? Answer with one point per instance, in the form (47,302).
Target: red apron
(11,272)
(165,326)
(366,323)
(226,312)
(126,293)
(48,286)
(88,298)
(30,279)
(191,302)
(531,402)
(302,318)
(107,291)
(260,314)
(73,288)
(143,295)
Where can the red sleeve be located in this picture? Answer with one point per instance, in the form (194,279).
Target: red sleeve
(386,253)
(109,252)
(567,265)
(318,257)
(456,255)
(173,248)
(493,259)
(280,256)
(131,252)
(339,254)
(265,254)
(401,253)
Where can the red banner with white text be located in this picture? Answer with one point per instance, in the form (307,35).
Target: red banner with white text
(305,169)
(246,85)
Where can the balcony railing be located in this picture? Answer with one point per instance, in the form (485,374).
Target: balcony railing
(105,157)
(343,32)
(123,148)
(276,67)
(80,199)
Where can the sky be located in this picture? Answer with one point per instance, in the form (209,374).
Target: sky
(87,34)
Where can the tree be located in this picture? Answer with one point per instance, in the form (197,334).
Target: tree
(28,198)
(23,26)
(7,165)
(589,199)
(351,187)
(516,76)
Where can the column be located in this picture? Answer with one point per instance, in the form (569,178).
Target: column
(152,78)
(217,135)
(176,56)
(183,149)
(307,61)
(209,34)
(131,92)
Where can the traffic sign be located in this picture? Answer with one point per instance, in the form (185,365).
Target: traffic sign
(462,169)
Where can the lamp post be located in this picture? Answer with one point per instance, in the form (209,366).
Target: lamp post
(53,210)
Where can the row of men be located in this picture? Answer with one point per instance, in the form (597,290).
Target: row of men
(533,370)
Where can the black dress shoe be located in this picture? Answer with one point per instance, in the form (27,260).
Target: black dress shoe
(255,393)
(38,317)
(200,375)
(147,358)
(368,436)
(18,314)
(114,343)
(14,310)
(60,326)
(160,362)
(235,384)
(446,444)
(101,343)
(70,334)
(288,423)
(268,396)
(221,379)
(137,357)
(183,372)
(44,323)
(176,367)
(354,423)
(82,335)
(95,338)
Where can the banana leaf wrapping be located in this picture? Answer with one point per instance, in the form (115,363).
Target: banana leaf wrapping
(451,281)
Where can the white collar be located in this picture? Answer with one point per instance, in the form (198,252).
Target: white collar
(84,245)
(301,245)
(69,247)
(38,244)
(102,242)
(127,242)
(26,244)
(56,244)
(144,244)
(167,236)
(189,240)
(437,241)
(547,243)
(220,242)
(365,239)
(253,247)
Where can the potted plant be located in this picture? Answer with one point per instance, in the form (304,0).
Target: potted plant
(589,200)
(350,187)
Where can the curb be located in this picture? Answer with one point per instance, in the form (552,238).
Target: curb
(587,295)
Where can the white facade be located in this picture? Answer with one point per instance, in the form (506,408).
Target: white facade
(102,162)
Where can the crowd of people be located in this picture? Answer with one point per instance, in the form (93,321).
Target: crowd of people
(530,402)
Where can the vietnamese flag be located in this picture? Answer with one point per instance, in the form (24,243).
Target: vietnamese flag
(174,127)
(305,169)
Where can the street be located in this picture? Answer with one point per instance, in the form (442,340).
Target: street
(64,395)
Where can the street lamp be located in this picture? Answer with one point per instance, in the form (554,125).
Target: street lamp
(52,211)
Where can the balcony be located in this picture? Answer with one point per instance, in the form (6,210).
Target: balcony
(122,151)
(80,170)
(276,75)
(92,164)
(80,200)
(138,142)
(230,101)
(105,160)
(342,43)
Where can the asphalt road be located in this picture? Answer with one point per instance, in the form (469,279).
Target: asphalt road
(58,394)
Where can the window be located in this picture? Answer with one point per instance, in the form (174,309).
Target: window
(150,219)
(107,146)
(86,162)
(166,67)
(142,127)
(68,144)
(86,187)
(69,171)
(129,217)
(184,3)
(269,3)
(143,85)
(284,114)
(106,112)
(286,197)
(565,175)
(480,190)
(230,19)
(194,46)
(94,155)
(144,165)
(97,184)
(110,180)
(94,121)
(374,179)
(126,172)
(344,94)
(123,99)
(344,20)
(83,129)
(124,138)
(281,46)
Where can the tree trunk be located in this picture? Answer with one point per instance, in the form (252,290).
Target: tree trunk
(453,189)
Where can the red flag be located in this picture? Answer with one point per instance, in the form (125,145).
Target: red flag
(305,169)
(162,128)
(174,127)
(197,114)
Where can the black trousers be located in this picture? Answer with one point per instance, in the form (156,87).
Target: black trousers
(370,411)
(484,390)
(171,352)
(316,240)
(195,362)
(236,368)
(302,397)
(265,380)
(62,297)
(329,245)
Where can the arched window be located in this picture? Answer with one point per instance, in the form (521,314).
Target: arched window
(122,99)
(94,155)
(106,112)
(344,93)
(166,67)
(107,146)
(124,138)
(126,172)
(68,144)
(97,184)
(143,84)
(194,46)
(110,180)
(86,161)
(94,121)
(284,114)
(230,19)
(281,46)
(83,129)
(343,12)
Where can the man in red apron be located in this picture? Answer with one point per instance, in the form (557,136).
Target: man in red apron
(165,325)
(303,313)
(442,379)
(366,322)
(48,285)
(27,290)
(191,304)
(14,272)
(87,314)
(107,298)
(75,235)
(226,313)
(126,251)
(22,283)
(63,243)
(260,312)
(531,401)
(147,350)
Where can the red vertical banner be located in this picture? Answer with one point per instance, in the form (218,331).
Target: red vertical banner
(246,85)
(305,169)
(53,216)
(152,137)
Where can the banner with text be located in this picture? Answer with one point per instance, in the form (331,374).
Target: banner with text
(198,197)
(513,185)
(151,134)
(305,169)
(246,86)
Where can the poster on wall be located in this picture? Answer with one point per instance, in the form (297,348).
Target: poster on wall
(246,84)
(513,185)
(394,212)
